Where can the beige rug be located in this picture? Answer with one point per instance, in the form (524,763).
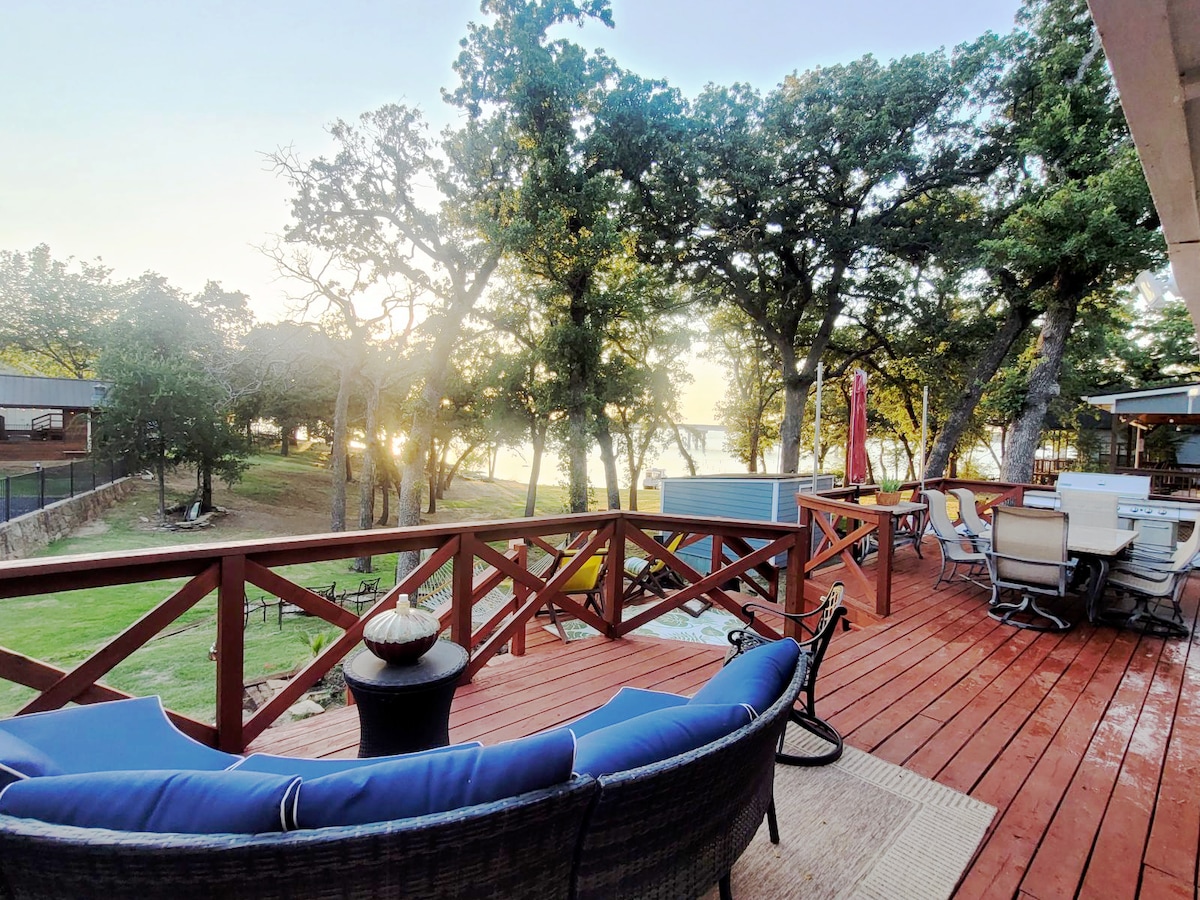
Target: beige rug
(860,828)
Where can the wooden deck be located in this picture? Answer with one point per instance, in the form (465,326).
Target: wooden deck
(1087,743)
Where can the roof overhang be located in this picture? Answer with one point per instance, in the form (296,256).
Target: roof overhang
(1153,49)
(1178,405)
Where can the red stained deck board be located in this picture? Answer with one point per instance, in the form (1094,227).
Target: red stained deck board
(1175,830)
(950,666)
(1156,885)
(1060,860)
(1125,827)
(971,743)
(1029,779)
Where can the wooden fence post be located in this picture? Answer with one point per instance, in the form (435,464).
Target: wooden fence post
(614,577)
(520,594)
(463,592)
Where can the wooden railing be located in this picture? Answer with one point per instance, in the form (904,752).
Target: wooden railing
(228,568)
(843,525)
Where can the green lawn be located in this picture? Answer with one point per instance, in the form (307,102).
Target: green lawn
(67,627)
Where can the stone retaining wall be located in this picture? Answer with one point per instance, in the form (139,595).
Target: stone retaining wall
(26,534)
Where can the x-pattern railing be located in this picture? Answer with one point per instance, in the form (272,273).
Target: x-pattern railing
(229,568)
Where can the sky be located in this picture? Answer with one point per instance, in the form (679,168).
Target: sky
(135,131)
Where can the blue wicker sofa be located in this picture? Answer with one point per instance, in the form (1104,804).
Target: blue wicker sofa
(650,795)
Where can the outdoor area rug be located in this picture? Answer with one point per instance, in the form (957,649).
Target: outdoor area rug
(860,828)
(710,628)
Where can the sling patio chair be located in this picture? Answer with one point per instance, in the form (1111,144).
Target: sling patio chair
(1028,554)
(1151,581)
(976,526)
(816,631)
(587,580)
(653,576)
(950,542)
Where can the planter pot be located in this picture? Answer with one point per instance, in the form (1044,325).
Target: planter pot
(888,498)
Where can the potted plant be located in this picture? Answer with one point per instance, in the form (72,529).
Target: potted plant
(888,493)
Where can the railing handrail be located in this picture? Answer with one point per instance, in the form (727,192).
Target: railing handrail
(230,566)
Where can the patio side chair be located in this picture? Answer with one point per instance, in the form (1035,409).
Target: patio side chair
(950,542)
(976,526)
(587,580)
(1151,583)
(1028,554)
(817,627)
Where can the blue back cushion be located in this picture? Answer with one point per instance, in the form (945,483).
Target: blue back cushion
(181,801)
(626,704)
(19,760)
(757,677)
(316,768)
(656,736)
(423,783)
(112,736)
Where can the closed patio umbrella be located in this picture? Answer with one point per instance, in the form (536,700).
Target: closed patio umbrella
(856,453)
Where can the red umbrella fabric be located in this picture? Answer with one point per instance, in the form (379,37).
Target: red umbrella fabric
(856,456)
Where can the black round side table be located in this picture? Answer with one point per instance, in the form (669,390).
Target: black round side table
(405,708)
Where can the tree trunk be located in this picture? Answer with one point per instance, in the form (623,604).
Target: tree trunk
(206,489)
(1026,432)
(795,395)
(431,474)
(538,438)
(367,478)
(683,450)
(162,484)
(339,461)
(1016,320)
(285,440)
(609,458)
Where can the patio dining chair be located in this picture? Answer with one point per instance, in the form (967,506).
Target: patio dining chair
(1028,554)
(1151,582)
(976,526)
(816,629)
(950,542)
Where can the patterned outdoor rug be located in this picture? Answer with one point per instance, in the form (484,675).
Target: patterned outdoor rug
(710,628)
(860,828)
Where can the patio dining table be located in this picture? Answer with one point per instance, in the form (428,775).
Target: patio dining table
(1096,547)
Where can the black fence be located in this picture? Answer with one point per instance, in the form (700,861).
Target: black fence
(36,490)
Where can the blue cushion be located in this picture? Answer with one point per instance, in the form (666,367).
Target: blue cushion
(625,704)
(19,760)
(181,801)
(656,736)
(316,768)
(756,678)
(113,736)
(423,783)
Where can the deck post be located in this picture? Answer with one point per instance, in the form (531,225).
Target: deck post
(520,593)
(614,577)
(883,569)
(231,594)
(793,588)
(462,592)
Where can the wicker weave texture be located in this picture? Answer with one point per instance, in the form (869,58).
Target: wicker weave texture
(521,847)
(671,830)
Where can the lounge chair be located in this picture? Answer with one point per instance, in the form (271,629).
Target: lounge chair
(653,576)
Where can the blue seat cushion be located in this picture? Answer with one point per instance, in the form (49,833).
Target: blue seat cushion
(19,760)
(112,736)
(756,678)
(655,736)
(167,801)
(316,768)
(421,783)
(626,704)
